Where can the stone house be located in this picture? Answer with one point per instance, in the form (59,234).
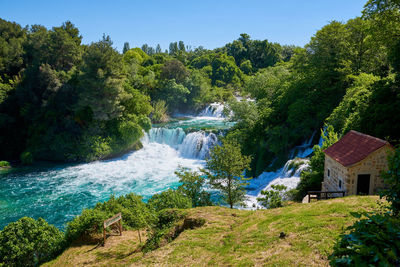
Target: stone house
(354,164)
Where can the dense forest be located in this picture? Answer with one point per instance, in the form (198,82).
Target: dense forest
(66,101)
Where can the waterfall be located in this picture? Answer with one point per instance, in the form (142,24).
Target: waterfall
(213,110)
(195,145)
(288,175)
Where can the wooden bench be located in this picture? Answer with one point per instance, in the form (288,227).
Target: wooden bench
(116,219)
(323,195)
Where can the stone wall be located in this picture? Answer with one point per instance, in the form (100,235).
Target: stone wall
(373,165)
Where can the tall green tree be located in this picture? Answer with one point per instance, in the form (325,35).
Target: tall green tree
(125,48)
(225,170)
(101,80)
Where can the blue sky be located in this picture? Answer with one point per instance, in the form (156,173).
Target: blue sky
(210,23)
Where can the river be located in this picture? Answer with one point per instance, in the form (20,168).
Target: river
(59,192)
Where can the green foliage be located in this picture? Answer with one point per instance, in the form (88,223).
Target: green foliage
(174,94)
(347,115)
(4,163)
(29,242)
(174,69)
(193,187)
(392,180)
(225,168)
(371,241)
(225,71)
(26,158)
(268,82)
(88,222)
(160,111)
(312,178)
(273,198)
(169,199)
(162,230)
(135,215)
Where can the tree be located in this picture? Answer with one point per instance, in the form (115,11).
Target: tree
(29,242)
(225,170)
(181,47)
(174,69)
(101,80)
(173,48)
(193,187)
(273,198)
(174,94)
(126,48)
(158,49)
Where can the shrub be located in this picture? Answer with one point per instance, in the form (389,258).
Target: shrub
(135,215)
(162,230)
(392,179)
(160,112)
(90,221)
(273,198)
(372,241)
(26,158)
(29,242)
(169,199)
(4,163)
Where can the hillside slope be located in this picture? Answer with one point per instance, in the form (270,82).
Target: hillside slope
(236,237)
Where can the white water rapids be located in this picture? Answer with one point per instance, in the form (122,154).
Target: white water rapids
(58,193)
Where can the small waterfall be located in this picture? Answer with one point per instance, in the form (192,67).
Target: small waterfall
(288,175)
(213,110)
(171,137)
(198,144)
(192,145)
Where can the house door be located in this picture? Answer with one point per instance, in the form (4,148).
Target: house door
(363,184)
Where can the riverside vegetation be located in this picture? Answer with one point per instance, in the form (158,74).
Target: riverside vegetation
(65,101)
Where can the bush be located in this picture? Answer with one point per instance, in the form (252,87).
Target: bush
(392,179)
(273,198)
(4,163)
(160,112)
(90,221)
(169,199)
(29,242)
(162,230)
(26,158)
(135,215)
(372,241)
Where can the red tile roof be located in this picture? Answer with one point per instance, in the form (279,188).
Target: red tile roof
(354,147)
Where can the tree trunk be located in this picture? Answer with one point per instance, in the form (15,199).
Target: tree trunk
(230,192)
(140,238)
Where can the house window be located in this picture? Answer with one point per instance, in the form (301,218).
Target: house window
(329,173)
(340,184)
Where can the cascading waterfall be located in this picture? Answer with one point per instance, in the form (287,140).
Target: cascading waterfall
(213,110)
(57,193)
(195,145)
(288,175)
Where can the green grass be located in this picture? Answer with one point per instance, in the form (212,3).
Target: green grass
(239,238)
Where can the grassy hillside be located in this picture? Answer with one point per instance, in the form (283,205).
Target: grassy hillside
(235,237)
